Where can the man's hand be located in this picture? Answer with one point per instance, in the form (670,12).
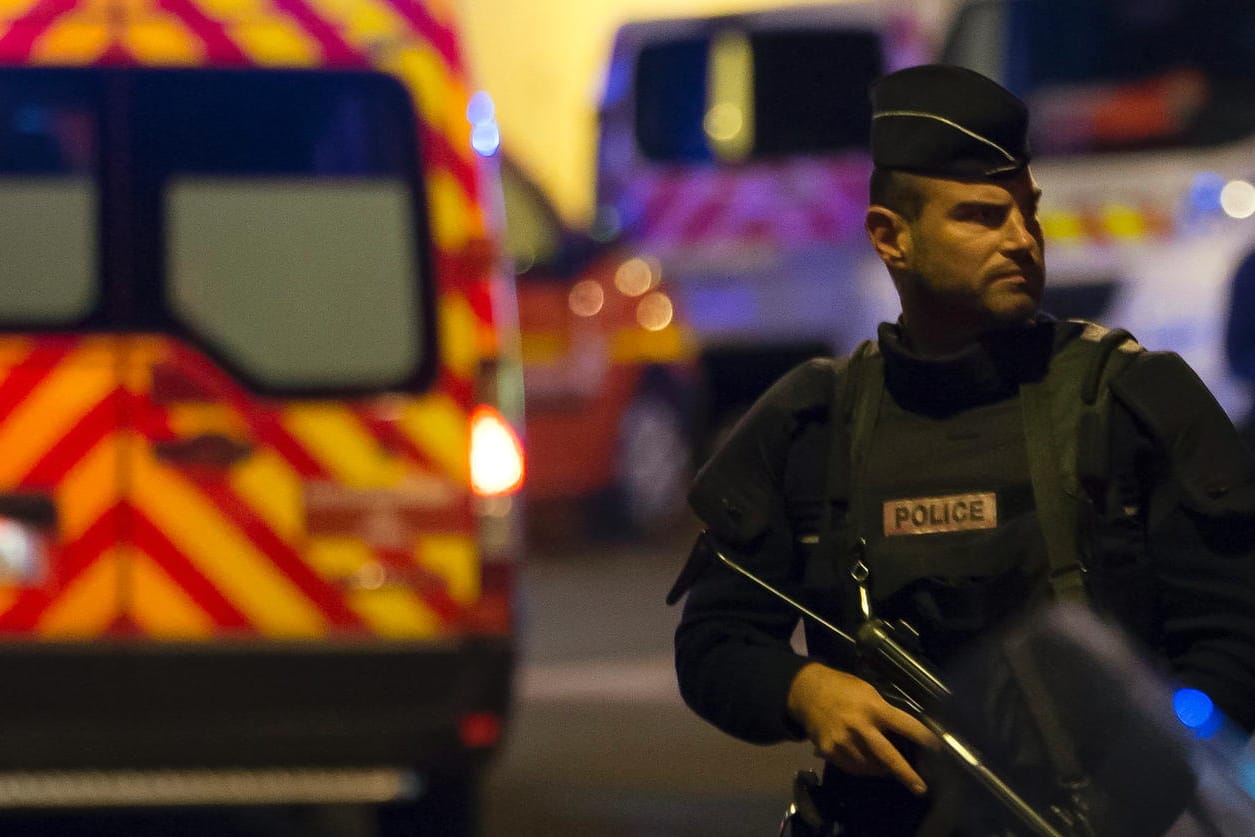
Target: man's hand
(848,722)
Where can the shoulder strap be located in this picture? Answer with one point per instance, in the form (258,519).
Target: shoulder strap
(1065,430)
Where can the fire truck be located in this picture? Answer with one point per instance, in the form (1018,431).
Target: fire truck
(259,392)
(609,374)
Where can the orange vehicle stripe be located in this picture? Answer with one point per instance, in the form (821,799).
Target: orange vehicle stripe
(76,443)
(16,44)
(285,558)
(219,48)
(21,379)
(334,48)
(149,538)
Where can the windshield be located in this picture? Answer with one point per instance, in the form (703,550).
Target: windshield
(274,218)
(1114,75)
(734,96)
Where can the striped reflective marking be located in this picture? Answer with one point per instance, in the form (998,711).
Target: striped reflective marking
(438,427)
(161,606)
(348,451)
(63,396)
(269,486)
(89,603)
(31,21)
(277,42)
(248,578)
(90,487)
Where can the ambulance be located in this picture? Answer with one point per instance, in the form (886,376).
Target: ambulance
(1143,134)
(260,394)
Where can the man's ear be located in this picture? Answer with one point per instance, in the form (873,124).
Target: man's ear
(890,235)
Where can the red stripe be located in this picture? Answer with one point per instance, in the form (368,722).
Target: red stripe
(390,437)
(153,542)
(284,557)
(74,558)
(17,42)
(264,421)
(431,588)
(100,421)
(219,48)
(438,35)
(335,49)
(439,152)
(22,379)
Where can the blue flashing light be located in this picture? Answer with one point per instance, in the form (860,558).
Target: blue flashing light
(1204,194)
(1193,708)
(486,139)
(482,111)
(1196,711)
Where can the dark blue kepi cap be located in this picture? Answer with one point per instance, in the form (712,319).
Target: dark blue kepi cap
(947,121)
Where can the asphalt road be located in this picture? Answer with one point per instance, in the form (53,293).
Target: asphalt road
(601,743)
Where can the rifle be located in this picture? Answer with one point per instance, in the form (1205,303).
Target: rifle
(908,682)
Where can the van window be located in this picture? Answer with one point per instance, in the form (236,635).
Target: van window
(808,92)
(1118,75)
(290,219)
(49,190)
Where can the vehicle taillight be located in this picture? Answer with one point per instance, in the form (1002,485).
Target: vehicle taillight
(496,454)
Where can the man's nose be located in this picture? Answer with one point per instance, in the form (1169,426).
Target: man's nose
(1018,232)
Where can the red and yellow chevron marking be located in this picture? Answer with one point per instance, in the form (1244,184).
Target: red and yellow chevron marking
(174,551)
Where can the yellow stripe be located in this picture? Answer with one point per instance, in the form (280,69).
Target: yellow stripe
(1062,226)
(70,41)
(457,335)
(78,383)
(453,558)
(395,613)
(89,605)
(228,559)
(455,219)
(637,345)
(13,350)
(92,487)
(272,489)
(14,9)
(441,95)
(160,607)
(1123,221)
(276,41)
(439,428)
(540,348)
(163,39)
(337,439)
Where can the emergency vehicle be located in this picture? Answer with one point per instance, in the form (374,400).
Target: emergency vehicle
(1143,134)
(608,372)
(259,385)
(733,149)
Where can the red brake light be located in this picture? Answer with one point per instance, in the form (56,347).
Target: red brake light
(496,454)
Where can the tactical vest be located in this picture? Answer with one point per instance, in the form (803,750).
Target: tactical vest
(1067,429)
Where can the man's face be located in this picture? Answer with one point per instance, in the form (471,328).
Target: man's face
(976,249)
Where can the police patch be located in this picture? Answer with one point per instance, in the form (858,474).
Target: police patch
(951,513)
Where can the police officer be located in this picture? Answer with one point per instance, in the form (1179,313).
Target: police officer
(979,458)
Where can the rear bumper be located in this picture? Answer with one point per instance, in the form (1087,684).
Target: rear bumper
(118,706)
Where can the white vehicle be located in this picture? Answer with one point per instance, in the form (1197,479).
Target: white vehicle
(733,150)
(1143,134)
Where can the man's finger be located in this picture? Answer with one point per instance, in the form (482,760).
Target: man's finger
(888,755)
(906,724)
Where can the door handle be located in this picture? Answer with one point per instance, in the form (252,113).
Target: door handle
(206,450)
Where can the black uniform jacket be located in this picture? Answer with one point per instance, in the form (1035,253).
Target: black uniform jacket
(762,496)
